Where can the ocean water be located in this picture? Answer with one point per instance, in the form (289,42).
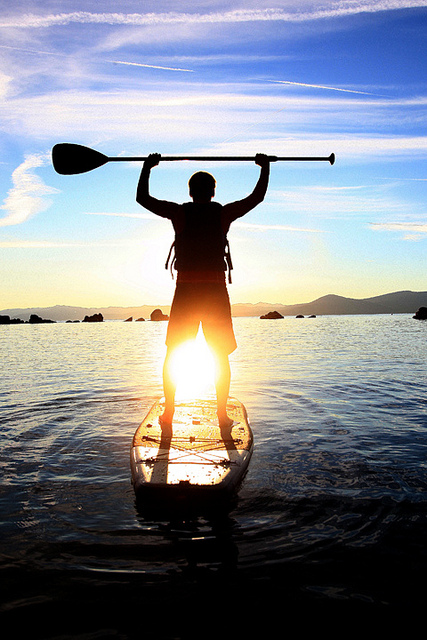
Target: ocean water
(330,523)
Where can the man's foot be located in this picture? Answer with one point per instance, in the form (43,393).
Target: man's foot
(225,422)
(165,422)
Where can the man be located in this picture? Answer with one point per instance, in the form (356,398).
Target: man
(201,228)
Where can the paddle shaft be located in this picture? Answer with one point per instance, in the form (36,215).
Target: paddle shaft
(69,158)
(330,158)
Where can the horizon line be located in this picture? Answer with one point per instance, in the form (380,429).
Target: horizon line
(234,304)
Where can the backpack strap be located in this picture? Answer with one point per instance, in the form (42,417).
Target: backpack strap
(172,262)
(227,255)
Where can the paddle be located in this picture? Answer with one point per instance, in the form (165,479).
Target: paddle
(69,159)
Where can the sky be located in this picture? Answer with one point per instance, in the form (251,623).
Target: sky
(282,77)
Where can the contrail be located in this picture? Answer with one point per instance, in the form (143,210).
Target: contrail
(320,86)
(149,66)
(131,64)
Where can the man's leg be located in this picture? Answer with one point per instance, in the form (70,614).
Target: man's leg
(169,389)
(222,385)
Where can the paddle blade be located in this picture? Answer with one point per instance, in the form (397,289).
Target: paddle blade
(69,159)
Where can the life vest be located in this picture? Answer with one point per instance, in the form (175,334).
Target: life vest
(202,245)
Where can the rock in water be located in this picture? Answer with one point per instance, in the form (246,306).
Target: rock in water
(97,317)
(271,315)
(158,315)
(421,314)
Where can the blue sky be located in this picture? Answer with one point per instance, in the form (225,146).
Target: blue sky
(289,77)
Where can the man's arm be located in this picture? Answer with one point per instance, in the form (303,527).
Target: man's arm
(239,208)
(161,208)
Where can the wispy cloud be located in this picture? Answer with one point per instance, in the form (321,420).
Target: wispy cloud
(28,194)
(40,244)
(413,231)
(59,244)
(5,82)
(356,147)
(143,216)
(356,202)
(334,10)
(243,225)
(274,227)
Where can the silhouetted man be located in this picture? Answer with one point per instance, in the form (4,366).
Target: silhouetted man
(201,295)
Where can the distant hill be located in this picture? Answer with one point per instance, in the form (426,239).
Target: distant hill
(398,302)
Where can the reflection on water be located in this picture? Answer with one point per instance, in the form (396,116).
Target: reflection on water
(331,516)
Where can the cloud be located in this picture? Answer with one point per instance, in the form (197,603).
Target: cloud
(28,194)
(335,10)
(340,202)
(144,216)
(274,227)
(35,244)
(5,82)
(352,146)
(180,111)
(415,231)
(53,244)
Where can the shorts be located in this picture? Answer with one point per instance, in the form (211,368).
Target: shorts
(201,302)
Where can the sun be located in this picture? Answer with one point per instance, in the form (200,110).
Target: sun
(193,369)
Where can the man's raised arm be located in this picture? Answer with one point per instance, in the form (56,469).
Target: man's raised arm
(239,208)
(161,208)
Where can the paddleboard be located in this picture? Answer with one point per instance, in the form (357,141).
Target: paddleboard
(195,457)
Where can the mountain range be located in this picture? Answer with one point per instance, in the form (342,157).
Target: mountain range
(397,302)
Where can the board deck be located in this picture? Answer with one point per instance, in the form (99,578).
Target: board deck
(196,456)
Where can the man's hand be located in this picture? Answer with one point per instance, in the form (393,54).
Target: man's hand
(152,160)
(262,160)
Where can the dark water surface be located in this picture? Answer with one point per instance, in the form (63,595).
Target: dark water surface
(329,527)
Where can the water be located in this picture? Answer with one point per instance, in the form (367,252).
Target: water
(330,520)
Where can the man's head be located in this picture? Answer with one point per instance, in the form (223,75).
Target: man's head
(202,186)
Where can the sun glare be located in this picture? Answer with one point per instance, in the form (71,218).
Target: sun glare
(193,369)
